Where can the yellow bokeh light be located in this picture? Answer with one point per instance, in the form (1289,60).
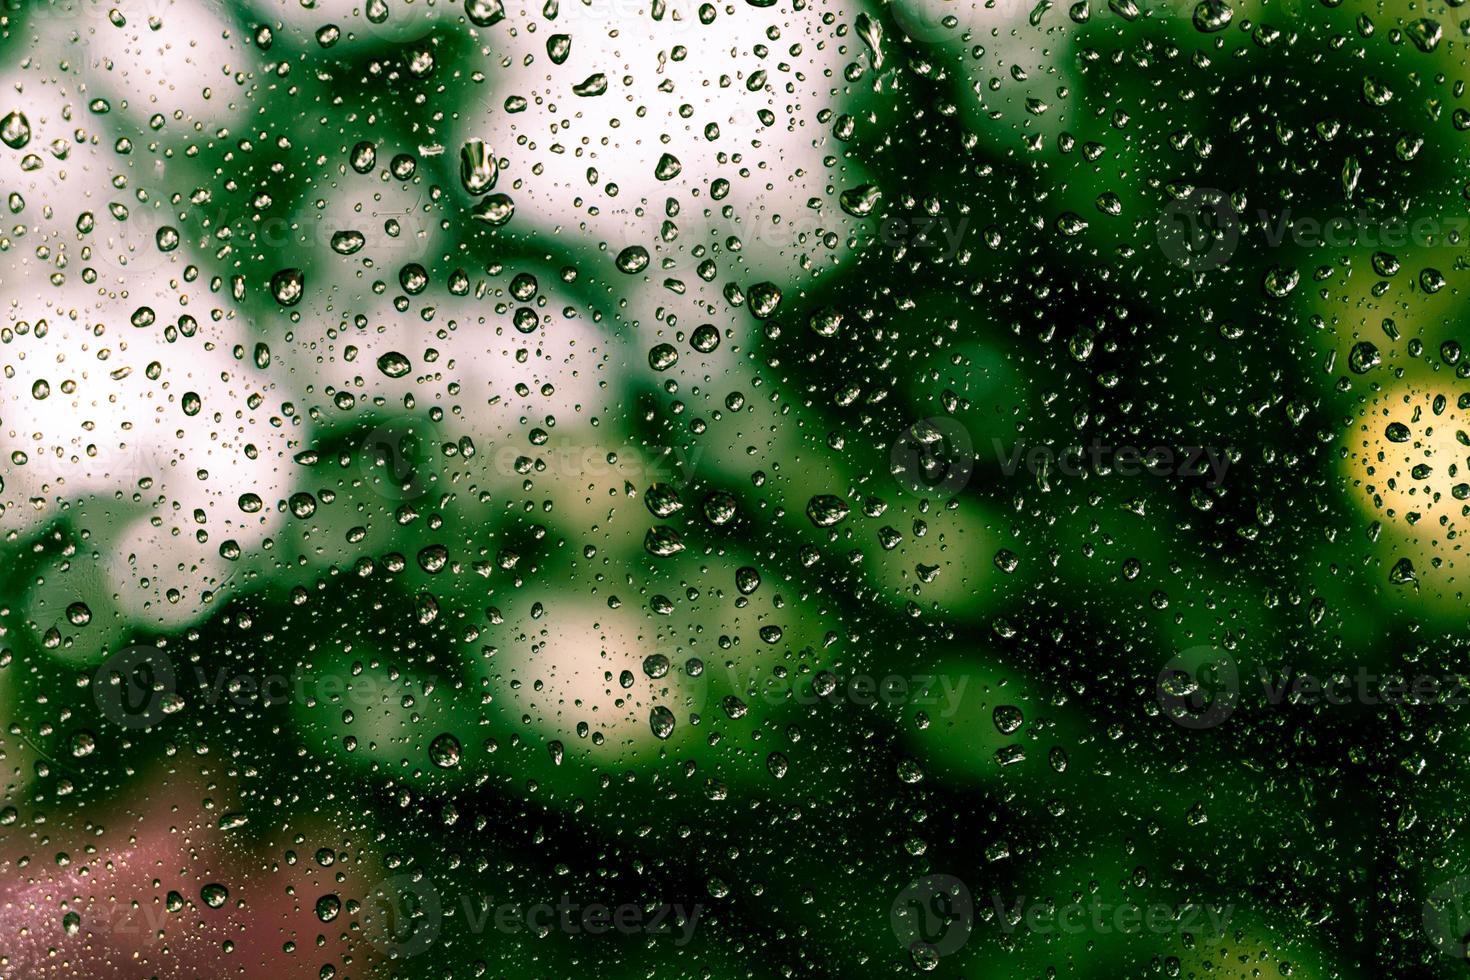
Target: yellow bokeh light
(1408,465)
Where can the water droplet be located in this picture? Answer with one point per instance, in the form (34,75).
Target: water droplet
(523,287)
(859,201)
(1279,281)
(414,278)
(719,507)
(871,31)
(348,242)
(1007,718)
(825,510)
(668,167)
(705,338)
(764,298)
(526,320)
(1386,264)
(1363,357)
(595,84)
(1070,223)
(433,558)
(15,129)
(83,744)
(747,579)
(287,286)
(477,167)
(633,259)
(1402,572)
(663,541)
(328,907)
(495,210)
(662,500)
(1212,15)
(661,721)
(394,364)
(302,504)
(1425,34)
(825,322)
(484,13)
(364,157)
(444,751)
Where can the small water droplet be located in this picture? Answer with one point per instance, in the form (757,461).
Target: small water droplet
(287,286)
(595,84)
(632,260)
(444,751)
(859,201)
(1212,15)
(1363,357)
(825,510)
(661,721)
(328,907)
(394,364)
(15,129)
(478,169)
(484,13)
(705,338)
(764,298)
